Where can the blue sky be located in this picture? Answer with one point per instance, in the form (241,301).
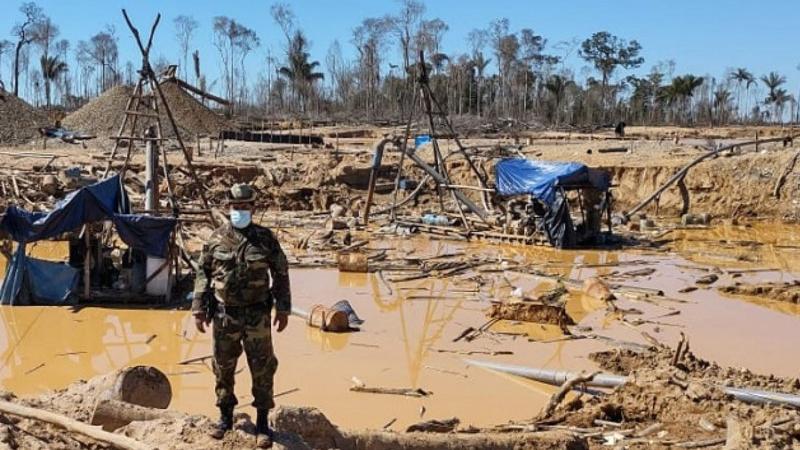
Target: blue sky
(701,36)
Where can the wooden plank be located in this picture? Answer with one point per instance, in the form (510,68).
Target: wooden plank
(134,138)
(143,114)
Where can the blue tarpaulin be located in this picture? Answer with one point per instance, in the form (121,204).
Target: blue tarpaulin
(105,200)
(421,140)
(47,282)
(516,176)
(543,180)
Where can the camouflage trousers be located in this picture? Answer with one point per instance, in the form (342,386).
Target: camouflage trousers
(245,327)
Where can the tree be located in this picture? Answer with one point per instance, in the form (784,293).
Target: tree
(333,63)
(299,71)
(44,32)
(532,55)
(722,102)
(506,49)
(776,96)
(282,15)
(557,86)
(406,25)
(196,66)
(185,27)
(62,51)
(234,42)
(430,35)
(606,53)
(369,38)
(680,92)
(5,47)
(477,42)
(102,50)
(742,77)
(23,31)
(480,64)
(52,69)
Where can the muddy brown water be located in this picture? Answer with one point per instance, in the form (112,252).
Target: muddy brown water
(399,345)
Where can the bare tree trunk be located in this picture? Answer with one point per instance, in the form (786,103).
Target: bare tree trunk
(17,53)
(47,92)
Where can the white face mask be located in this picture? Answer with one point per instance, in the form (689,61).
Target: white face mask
(240,218)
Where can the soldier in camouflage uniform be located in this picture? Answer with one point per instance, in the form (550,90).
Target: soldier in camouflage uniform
(232,289)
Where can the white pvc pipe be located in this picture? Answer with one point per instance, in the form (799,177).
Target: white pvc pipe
(604,380)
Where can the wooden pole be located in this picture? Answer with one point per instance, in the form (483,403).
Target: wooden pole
(113,414)
(116,440)
(87,263)
(441,180)
(403,145)
(149,74)
(151,171)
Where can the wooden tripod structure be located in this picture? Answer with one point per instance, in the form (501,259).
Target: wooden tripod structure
(438,172)
(143,107)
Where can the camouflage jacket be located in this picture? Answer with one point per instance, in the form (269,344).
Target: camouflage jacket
(236,265)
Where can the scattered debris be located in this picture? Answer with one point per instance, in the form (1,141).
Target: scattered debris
(527,311)
(783,292)
(435,426)
(407,392)
(708,279)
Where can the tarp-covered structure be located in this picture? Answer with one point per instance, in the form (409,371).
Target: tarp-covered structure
(53,283)
(547,182)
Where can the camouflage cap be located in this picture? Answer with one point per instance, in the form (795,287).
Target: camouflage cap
(241,193)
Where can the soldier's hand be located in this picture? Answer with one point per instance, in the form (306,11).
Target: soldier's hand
(280,321)
(200,321)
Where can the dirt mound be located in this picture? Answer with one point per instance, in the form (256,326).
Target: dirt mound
(782,292)
(192,116)
(103,115)
(681,413)
(26,434)
(667,404)
(19,121)
(296,428)
(624,362)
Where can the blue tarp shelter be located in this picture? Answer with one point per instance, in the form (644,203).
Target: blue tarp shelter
(516,176)
(104,200)
(544,180)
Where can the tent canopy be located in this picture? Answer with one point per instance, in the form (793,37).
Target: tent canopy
(104,200)
(517,176)
(52,283)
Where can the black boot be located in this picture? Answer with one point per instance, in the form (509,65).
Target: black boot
(225,422)
(264,434)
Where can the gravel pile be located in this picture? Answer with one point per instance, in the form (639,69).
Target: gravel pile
(104,115)
(19,121)
(192,116)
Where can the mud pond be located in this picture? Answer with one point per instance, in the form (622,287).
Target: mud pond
(407,338)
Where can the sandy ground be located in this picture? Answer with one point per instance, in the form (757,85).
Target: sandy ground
(407,340)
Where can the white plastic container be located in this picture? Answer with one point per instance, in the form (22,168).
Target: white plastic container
(159,285)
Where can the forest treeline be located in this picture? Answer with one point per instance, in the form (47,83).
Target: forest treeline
(504,73)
